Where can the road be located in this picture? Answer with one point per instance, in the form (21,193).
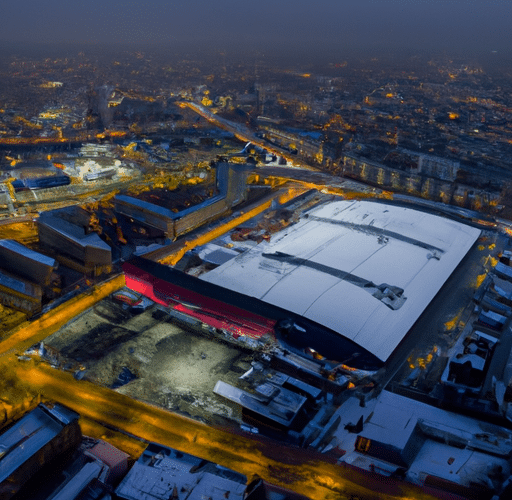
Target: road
(171,254)
(240,131)
(318,180)
(31,332)
(295,468)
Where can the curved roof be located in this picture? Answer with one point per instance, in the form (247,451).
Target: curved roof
(365,270)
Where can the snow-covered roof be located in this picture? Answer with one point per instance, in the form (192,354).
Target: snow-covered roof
(428,441)
(365,270)
(162,473)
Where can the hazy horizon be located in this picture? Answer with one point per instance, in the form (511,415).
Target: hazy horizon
(465,27)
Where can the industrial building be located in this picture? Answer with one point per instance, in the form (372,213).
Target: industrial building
(344,283)
(161,473)
(449,455)
(66,233)
(232,190)
(37,175)
(24,276)
(331,293)
(363,270)
(20,294)
(30,265)
(34,441)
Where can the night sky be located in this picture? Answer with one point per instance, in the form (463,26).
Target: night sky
(461,25)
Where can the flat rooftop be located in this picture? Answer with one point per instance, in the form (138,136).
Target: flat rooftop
(364,270)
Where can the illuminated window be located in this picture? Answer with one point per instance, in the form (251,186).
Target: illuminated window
(363,444)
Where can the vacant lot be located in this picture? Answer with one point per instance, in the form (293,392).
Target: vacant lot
(150,357)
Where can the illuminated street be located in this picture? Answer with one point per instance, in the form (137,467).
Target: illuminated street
(297,469)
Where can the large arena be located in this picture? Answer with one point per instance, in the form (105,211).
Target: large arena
(364,270)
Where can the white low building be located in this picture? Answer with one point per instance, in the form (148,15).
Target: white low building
(431,447)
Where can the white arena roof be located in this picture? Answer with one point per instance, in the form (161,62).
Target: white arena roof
(365,270)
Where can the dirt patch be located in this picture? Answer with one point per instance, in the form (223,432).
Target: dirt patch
(175,367)
(98,342)
(193,363)
(112,312)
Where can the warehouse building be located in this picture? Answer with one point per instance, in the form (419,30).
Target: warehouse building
(361,269)
(24,276)
(231,186)
(343,284)
(68,235)
(26,263)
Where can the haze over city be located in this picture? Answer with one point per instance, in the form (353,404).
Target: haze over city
(256,250)
(329,26)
